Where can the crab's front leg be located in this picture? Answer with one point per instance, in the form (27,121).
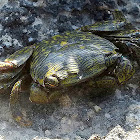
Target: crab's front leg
(38,94)
(17,111)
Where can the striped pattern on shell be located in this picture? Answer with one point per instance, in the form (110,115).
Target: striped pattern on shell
(72,56)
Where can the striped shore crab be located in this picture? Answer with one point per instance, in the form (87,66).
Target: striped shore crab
(69,59)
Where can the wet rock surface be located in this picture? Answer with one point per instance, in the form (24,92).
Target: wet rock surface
(74,117)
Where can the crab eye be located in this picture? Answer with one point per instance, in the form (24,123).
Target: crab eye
(51,81)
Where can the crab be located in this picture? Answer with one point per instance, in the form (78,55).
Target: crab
(69,59)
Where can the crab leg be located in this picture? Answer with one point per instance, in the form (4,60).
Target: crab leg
(135,51)
(7,79)
(16,109)
(128,42)
(6,86)
(6,76)
(106,82)
(37,95)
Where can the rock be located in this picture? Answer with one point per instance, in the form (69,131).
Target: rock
(94,137)
(26,3)
(97,108)
(1,50)
(118,94)
(47,133)
(134,11)
(37,138)
(3,2)
(65,101)
(133,115)
(118,133)
(107,115)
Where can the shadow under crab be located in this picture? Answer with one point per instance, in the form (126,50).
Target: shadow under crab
(69,59)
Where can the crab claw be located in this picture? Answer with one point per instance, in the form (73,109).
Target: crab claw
(42,95)
(20,57)
(6,65)
(124,71)
(16,59)
(11,68)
